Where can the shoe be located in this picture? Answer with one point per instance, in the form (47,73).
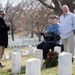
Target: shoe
(1,66)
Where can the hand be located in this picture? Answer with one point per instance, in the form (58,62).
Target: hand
(8,24)
(45,32)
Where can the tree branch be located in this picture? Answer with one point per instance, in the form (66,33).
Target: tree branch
(46,5)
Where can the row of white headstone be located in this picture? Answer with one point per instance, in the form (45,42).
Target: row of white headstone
(23,43)
(31,50)
(34,65)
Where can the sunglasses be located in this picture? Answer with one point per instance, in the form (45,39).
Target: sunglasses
(3,14)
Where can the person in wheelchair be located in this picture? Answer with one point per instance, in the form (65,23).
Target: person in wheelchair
(51,36)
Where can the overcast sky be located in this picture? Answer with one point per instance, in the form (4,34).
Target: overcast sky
(14,1)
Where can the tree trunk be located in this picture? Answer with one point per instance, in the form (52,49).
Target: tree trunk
(39,37)
(12,32)
(31,34)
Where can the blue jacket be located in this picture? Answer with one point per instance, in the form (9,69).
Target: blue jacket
(55,28)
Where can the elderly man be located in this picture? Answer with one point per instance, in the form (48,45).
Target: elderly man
(67,27)
(4,28)
(49,42)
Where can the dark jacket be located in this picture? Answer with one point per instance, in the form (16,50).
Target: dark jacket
(3,33)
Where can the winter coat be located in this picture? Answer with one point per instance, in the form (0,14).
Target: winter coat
(3,33)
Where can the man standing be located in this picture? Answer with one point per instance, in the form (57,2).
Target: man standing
(67,28)
(4,28)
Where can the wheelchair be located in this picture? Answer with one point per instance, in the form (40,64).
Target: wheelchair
(54,37)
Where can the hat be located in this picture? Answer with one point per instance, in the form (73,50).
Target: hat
(54,16)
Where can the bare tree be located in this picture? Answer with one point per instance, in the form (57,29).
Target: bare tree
(41,20)
(13,15)
(37,20)
(56,5)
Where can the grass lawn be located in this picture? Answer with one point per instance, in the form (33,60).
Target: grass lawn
(45,71)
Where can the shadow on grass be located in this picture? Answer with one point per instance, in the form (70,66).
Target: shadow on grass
(23,71)
(9,72)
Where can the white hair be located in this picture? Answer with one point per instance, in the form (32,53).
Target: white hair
(65,6)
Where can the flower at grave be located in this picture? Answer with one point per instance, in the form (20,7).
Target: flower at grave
(51,60)
(50,55)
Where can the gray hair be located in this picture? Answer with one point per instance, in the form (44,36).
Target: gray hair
(65,6)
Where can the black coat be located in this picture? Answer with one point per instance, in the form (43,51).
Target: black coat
(3,33)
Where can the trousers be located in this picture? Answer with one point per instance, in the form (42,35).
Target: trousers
(45,47)
(1,52)
(69,44)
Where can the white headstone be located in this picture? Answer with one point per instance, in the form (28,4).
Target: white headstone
(65,63)
(34,49)
(16,62)
(22,52)
(10,55)
(15,49)
(39,55)
(33,66)
(30,49)
(57,49)
(4,56)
